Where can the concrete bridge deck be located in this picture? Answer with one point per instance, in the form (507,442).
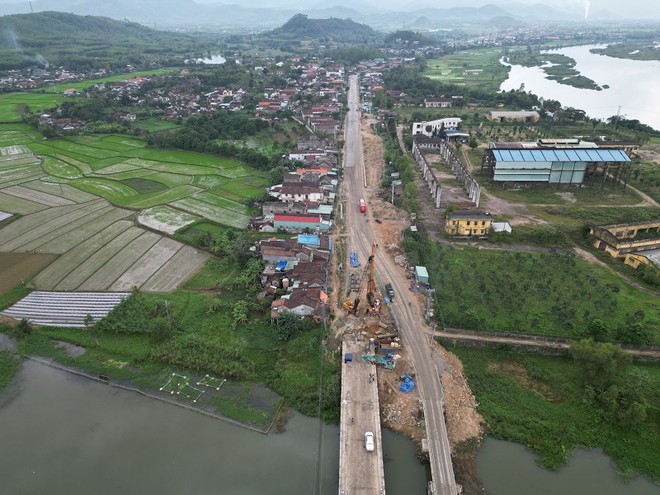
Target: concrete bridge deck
(360,472)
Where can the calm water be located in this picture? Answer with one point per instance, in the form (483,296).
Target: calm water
(510,469)
(633,85)
(62,434)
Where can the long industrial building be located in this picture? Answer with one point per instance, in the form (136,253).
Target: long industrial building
(564,161)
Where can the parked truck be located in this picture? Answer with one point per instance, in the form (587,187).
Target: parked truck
(363,206)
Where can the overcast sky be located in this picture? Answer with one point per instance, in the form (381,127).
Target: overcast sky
(636,9)
(627,9)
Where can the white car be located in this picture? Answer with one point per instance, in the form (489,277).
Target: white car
(369,441)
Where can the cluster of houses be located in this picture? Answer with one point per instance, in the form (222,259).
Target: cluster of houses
(296,269)
(35,77)
(303,202)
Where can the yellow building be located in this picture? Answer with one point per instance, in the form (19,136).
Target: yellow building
(648,258)
(468,223)
(620,239)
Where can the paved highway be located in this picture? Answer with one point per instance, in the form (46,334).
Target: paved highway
(410,317)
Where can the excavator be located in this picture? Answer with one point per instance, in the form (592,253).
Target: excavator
(351,306)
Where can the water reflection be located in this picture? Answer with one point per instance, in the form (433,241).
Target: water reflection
(632,86)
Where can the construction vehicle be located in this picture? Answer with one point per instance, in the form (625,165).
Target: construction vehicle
(372,300)
(351,305)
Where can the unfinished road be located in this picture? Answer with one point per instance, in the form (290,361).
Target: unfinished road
(407,313)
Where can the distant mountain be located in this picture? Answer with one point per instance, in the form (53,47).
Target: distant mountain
(191,14)
(57,38)
(300,27)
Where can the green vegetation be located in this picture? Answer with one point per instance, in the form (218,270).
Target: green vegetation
(9,366)
(540,293)
(215,325)
(13,296)
(560,68)
(635,50)
(301,27)
(540,402)
(473,69)
(99,42)
(124,171)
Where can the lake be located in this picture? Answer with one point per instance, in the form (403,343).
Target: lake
(633,85)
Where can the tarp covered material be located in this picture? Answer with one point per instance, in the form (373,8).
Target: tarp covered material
(348,357)
(281,265)
(408,385)
(354,259)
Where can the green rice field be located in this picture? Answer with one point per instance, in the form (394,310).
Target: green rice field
(125,172)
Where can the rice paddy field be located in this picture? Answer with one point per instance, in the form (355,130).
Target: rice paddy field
(122,170)
(88,201)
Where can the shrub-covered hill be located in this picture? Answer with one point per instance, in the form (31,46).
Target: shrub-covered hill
(344,30)
(78,42)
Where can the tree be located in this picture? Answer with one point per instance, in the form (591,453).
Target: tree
(602,364)
(288,324)
(239,312)
(597,330)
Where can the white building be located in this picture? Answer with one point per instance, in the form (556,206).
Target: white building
(434,127)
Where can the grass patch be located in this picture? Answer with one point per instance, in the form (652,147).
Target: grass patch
(587,196)
(517,395)
(12,296)
(9,367)
(472,68)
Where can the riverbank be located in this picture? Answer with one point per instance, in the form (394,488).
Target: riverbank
(539,402)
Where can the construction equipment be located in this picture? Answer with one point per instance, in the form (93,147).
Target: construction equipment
(374,302)
(351,305)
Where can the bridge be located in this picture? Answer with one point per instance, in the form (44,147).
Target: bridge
(360,471)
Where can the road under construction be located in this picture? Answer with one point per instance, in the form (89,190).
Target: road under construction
(359,399)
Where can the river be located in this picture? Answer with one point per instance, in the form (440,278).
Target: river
(507,468)
(63,434)
(633,85)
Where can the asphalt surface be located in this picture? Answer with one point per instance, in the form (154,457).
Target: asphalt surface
(405,308)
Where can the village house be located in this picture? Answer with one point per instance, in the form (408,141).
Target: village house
(468,223)
(441,102)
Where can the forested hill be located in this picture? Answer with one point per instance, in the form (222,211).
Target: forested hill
(343,30)
(58,38)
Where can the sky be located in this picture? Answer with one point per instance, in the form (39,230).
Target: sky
(637,9)
(626,9)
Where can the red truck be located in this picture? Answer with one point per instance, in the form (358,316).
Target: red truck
(363,206)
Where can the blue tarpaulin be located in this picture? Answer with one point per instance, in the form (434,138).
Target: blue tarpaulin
(354,259)
(309,239)
(408,385)
(281,265)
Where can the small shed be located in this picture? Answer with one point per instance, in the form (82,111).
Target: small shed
(501,227)
(421,274)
